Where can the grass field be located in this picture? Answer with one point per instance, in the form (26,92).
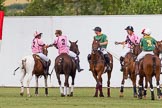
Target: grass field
(83,98)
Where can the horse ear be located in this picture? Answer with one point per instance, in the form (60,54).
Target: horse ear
(76,41)
(70,41)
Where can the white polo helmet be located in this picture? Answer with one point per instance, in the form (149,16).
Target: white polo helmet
(37,33)
(146,31)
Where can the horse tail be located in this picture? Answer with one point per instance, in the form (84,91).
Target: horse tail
(154,64)
(24,65)
(15,70)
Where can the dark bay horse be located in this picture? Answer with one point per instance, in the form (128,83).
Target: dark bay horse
(97,66)
(32,65)
(65,65)
(149,66)
(158,49)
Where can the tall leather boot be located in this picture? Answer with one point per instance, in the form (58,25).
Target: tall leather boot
(121,63)
(107,62)
(136,67)
(78,65)
(47,67)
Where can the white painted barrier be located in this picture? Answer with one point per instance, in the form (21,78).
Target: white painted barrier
(18,34)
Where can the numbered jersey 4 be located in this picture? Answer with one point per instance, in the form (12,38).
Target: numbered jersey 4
(61,43)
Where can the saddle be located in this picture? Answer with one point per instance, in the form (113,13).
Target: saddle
(36,58)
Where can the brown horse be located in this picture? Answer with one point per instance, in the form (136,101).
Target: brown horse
(64,64)
(128,65)
(33,65)
(149,66)
(129,70)
(97,66)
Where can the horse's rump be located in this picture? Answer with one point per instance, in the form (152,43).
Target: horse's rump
(64,63)
(39,65)
(151,64)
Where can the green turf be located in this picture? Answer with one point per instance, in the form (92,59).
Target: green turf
(83,98)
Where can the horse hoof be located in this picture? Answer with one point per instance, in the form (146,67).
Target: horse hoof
(29,95)
(62,95)
(21,94)
(135,96)
(46,95)
(68,95)
(121,95)
(108,96)
(36,95)
(101,95)
(95,96)
(71,94)
(139,97)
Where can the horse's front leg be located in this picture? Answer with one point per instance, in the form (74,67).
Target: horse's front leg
(100,84)
(95,77)
(122,88)
(108,84)
(46,86)
(133,78)
(140,83)
(36,86)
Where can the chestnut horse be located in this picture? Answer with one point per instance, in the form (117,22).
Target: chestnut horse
(32,65)
(129,68)
(64,64)
(149,66)
(97,66)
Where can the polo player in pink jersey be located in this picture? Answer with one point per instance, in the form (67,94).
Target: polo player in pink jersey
(130,40)
(37,48)
(61,44)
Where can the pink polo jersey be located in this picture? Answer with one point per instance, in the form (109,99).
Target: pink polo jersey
(37,45)
(61,43)
(134,39)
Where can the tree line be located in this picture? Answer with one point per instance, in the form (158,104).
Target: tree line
(89,7)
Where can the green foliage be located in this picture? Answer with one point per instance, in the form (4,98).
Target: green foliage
(92,7)
(2,5)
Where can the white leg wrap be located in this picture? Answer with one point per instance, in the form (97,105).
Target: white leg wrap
(72,88)
(61,90)
(65,90)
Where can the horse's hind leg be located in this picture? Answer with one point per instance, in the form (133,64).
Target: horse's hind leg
(22,84)
(72,86)
(151,89)
(158,86)
(66,84)
(59,81)
(36,86)
(140,87)
(28,83)
(46,86)
(145,88)
(108,84)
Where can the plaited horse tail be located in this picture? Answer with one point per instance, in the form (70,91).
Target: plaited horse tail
(154,65)
(24,65)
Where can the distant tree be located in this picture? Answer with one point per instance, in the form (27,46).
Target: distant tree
(2,5)
(93,7)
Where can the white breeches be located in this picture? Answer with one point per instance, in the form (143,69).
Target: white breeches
(42,56)
(103,50)
(72,54)
(143,53)
(125,50)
